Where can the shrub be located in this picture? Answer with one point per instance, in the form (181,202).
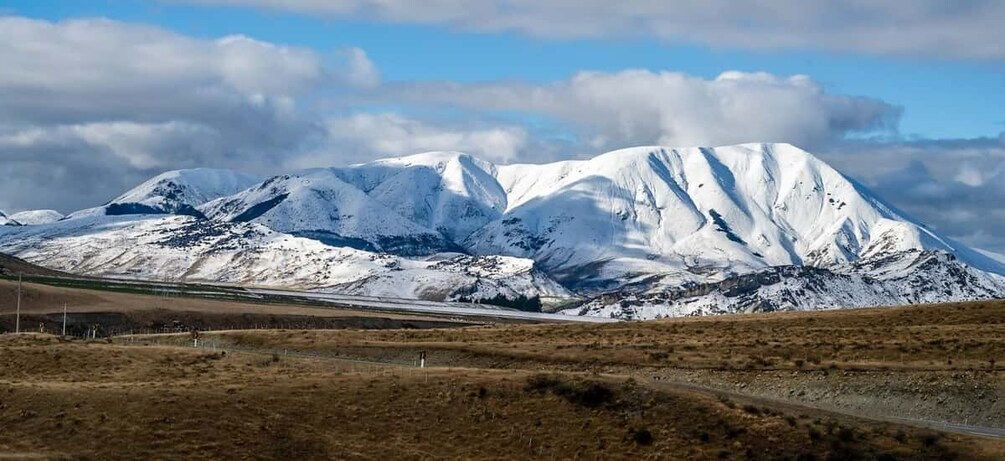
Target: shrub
(752,409)
(659,356)
(643,437)
(929,440)
(521,302)
(732,432)
(845,434)
(588,394)
(541,383)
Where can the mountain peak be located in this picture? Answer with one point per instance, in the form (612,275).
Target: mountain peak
(662,218)
(428,158)
(175,192)
(191,186)
(34,217)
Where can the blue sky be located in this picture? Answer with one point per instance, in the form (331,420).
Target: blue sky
(96,96)
(941,98)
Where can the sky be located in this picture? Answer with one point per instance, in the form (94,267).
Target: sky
(904,97)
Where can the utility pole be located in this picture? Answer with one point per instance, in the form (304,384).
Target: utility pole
(17,317)
(64,320)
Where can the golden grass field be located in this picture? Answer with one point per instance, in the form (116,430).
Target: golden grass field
(549,391)
(944,337)
(77,400)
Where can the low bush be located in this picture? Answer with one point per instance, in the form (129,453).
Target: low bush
(643,437)
(589,394)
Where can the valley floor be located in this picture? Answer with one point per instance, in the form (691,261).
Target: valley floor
(846,385)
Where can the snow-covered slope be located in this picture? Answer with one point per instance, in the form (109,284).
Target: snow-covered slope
(187,248)
(175,192)
(910,277)
(33,217)
(638,225)
(7,220)
(450,192)
(319,205)
(696,212)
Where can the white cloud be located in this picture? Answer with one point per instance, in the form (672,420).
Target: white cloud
(960,29)
(957,186)
(146,99)
(642,107)
(139,145)
(360,70)
(143,68)
(89,108)
(363,137)
(118,102)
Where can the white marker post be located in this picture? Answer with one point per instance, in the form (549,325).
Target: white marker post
(422,359)
(64,320)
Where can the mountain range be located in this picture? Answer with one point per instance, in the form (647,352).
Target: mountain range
(636,233)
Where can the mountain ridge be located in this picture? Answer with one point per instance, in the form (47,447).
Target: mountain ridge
(684,216)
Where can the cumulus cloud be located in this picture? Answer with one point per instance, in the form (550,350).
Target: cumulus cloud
(956,186)
(670,108)
(85,70)
(138,100)
(956,29)
(89,108)
(364,137)
(117,102)
(360,70)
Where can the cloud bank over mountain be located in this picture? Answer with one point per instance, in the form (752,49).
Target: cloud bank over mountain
(90,107)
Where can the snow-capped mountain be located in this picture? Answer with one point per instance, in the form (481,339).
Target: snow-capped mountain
(175,192)
(32,217)
(186,248)
(319,205)
(696,213)
(639,232)
(910,277)
(452,193)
